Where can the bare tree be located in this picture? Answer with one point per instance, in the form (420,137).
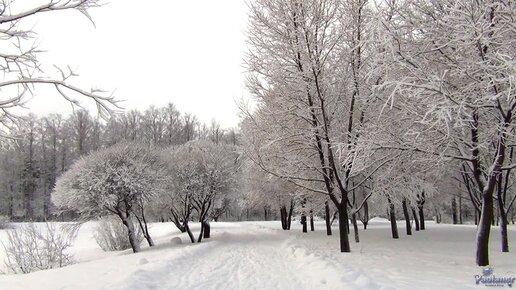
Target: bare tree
(20,65)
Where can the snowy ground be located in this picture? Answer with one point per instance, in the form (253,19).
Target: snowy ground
(258,255)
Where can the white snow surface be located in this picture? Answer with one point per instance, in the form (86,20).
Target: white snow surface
(259,255)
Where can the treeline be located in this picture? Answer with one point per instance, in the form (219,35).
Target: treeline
(42,148)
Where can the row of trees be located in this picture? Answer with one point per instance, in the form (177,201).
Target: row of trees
(385,97)
(41,149)
(135,183)
(362,104)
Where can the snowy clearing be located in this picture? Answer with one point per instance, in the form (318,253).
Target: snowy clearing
(258,255)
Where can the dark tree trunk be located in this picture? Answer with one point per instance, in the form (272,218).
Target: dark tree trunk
(503,232)
(502,213)
(149,240)
(392,217)
(290,211)
(135,245)
(407,216)
(207,229)
(327,218)
(454,211)
(190,234)
(420,204)
(303,222)
(421,218)
(180,225)
(343,224)
(460,209)
(312,221)
(355,227)
(365,220)
(201,233)
(484,229)
(283,217)
(145,230)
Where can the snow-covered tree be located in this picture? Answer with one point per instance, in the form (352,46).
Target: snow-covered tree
(116,180)
(201,175)
(311,76)
(453,71)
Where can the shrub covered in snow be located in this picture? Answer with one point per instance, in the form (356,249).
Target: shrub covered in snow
(111,234)
(32,248)
(118,180)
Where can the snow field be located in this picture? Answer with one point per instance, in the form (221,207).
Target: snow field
(259,255)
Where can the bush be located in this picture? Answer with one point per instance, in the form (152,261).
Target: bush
(4,222)
(30,248)
(112,235)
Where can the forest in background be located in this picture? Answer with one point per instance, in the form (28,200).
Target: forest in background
(40,149)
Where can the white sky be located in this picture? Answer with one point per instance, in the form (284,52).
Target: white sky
(152,52)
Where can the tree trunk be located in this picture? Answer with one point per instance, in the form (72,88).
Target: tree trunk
(201,233)
(343,231)
(421,218)
(311,221)
(179,225)
(207,229)
(303,222)
(365,220)
(454,211)
(420,204)
(460,208)
(503,217)
(503,232)
(145,231)
(283,217)
(190,234)
(135,245)
(290,211)
(407,216)
(392,217)
(355,227)
(437,215)
(484,229)
(327,218)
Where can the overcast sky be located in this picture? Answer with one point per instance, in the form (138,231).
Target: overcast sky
(152,52)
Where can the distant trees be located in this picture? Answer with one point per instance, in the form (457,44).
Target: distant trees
(57,141)
(116,181)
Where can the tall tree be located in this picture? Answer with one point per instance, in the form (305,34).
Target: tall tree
(453,59)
